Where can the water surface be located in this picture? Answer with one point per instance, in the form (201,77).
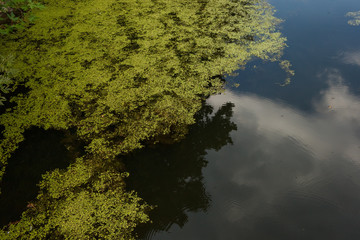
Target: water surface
(265,161)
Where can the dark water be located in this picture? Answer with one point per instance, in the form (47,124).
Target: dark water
(264,161)
(41,151)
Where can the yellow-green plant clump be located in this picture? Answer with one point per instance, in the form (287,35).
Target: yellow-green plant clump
(121,73)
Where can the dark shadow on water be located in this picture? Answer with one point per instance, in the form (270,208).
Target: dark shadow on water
(40,152)
(170,176)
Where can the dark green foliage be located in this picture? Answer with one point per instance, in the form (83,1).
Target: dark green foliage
(6,73)
(14,14)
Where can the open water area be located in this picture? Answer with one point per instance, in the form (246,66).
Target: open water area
(265,161)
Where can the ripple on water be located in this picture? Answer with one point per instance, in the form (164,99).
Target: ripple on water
(317,181)
(234,209)
(150,234)
(312,200)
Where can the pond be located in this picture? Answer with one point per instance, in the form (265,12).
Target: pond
(265,161)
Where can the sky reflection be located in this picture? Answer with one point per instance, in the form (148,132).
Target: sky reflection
(289,174)
(352,58)
(293,171)
(334,127)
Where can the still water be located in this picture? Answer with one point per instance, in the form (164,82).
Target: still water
(264,161)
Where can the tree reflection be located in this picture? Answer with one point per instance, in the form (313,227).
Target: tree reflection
(181,165)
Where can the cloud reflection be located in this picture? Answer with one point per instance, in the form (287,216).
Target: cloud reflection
(352,58)
(289,173)
(334,127)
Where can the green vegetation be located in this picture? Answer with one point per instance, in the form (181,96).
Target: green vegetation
(6,73)
(123,73)
(83,202)
(15,14)
(355,21)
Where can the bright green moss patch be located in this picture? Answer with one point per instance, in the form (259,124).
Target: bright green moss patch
(82,202)
(121,72)
(126,71)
